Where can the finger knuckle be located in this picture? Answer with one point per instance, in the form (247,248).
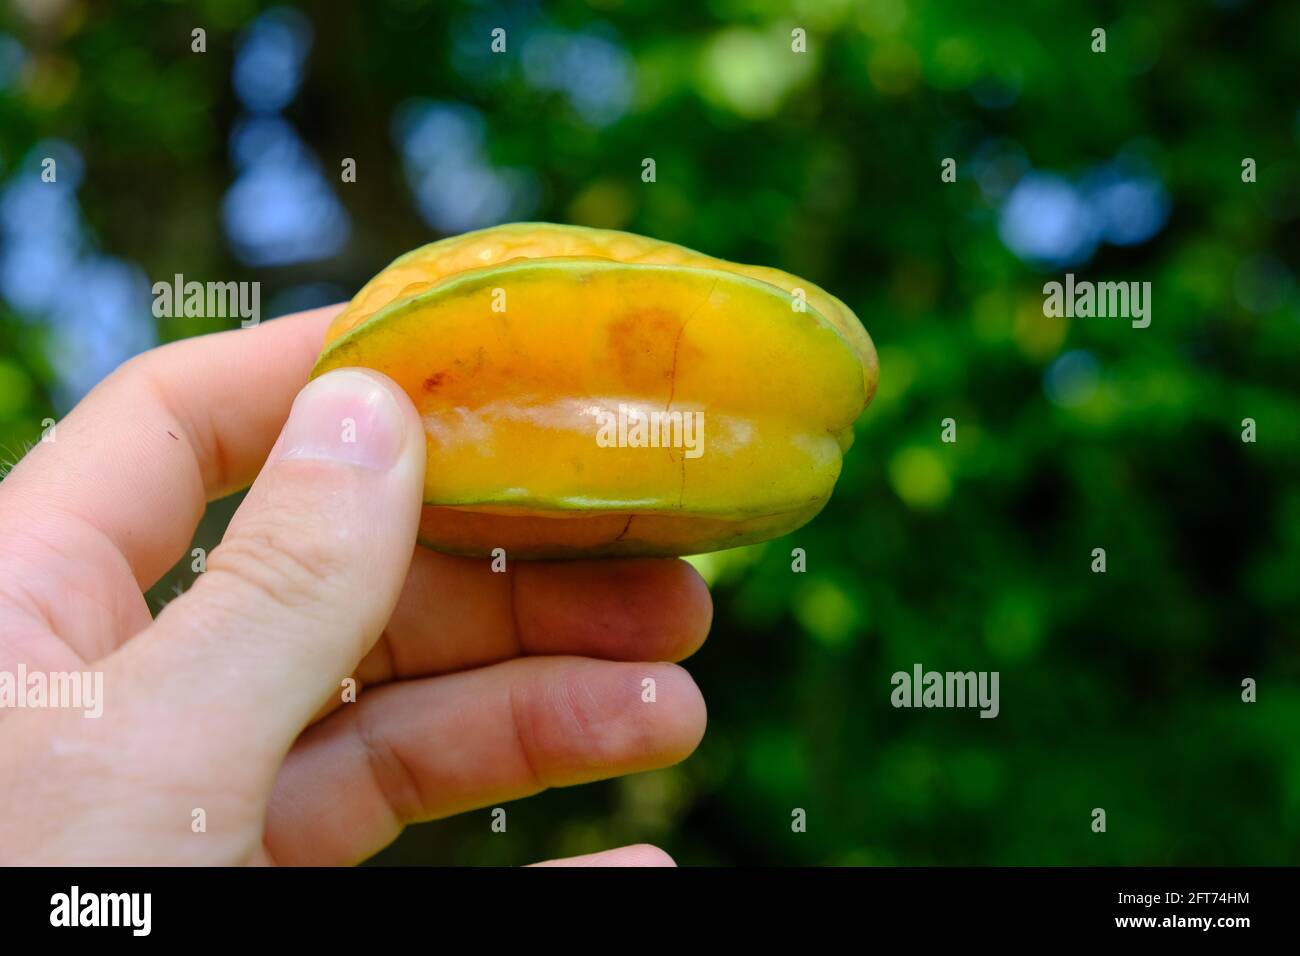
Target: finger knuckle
(287,567)
(395,777)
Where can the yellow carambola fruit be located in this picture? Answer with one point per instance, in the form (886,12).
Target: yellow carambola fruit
(588,392)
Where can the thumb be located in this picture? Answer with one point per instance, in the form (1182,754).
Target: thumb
(305,579)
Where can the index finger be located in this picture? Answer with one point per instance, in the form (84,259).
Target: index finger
(171,429)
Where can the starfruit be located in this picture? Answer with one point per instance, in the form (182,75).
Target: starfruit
(587,392)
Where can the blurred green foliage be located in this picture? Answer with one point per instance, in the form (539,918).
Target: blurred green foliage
(1119,690)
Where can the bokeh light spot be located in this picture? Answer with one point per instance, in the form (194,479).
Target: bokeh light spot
(920,478)
(827,613)
(1072,379)
(271,58)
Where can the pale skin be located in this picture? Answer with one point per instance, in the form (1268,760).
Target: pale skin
(475,688)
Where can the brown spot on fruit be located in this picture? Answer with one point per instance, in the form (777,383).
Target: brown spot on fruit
(642,342)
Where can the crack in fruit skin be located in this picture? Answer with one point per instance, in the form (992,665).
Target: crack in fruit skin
(672,391)
(627,526)
(515,402)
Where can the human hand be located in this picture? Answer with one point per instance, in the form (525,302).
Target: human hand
(480,687)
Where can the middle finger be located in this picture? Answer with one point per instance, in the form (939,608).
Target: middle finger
(457,613)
